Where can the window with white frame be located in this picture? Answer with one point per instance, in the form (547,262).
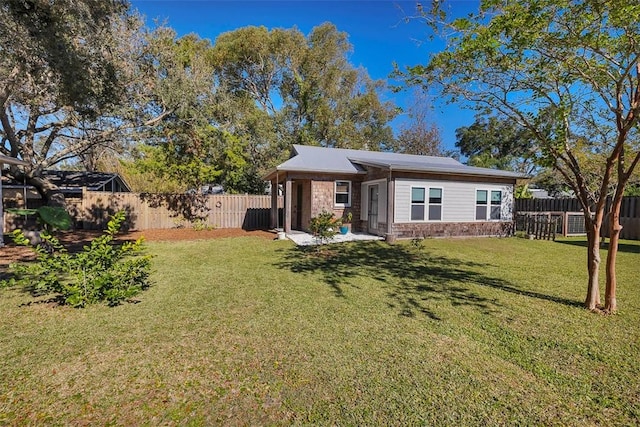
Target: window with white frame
(435,204)
(481,204)
(342,191)
(488,205)
(422,207)
(418,203)
(496,204)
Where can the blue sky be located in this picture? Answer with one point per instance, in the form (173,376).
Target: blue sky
(378,31)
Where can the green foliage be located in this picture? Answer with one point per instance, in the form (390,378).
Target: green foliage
(420,135)
(497,143)
(324,226)
(50,217)
(522,192)
(283,88)
(563,73)
(567,72)
(101,272)
(201,225)
(632,190)
(67,75)
(242,102)
(346,219)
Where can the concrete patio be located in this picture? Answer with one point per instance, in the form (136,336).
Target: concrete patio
(301,238)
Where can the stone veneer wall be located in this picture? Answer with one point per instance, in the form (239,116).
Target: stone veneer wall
(322,199)
(452,229)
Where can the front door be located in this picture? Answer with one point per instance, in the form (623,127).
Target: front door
(373,209)
(299,207)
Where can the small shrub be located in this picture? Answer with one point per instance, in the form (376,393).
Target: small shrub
(201,225)
(101,272)
(324,227)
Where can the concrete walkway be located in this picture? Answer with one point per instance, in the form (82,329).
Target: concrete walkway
(301,238)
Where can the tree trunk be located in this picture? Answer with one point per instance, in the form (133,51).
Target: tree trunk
(51,194)
(592,301)
(614,237)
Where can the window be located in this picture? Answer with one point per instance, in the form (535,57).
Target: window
(421,206)
(496,204)
(435,204)
(417,204)
(481,204)
(488,208)
(343,193)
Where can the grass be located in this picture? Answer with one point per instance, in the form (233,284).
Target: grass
(248,331)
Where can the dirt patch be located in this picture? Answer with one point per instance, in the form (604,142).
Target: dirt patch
(75,240)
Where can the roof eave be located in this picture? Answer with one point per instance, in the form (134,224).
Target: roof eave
(272,174)
(452,172)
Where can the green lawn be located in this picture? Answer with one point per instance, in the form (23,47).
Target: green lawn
(249,331)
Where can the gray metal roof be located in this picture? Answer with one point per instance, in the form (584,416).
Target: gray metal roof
(73,181)
(307,158)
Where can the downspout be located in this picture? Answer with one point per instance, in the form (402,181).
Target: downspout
(390,237)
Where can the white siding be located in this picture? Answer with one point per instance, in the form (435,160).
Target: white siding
(458,199)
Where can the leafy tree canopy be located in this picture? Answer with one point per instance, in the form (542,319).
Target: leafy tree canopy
(60,68)
(262,90)
(568,72)
(419,135)
(497,143)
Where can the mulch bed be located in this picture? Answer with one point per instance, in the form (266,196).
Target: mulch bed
(75,240)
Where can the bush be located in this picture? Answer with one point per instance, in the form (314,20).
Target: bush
(324,226)
(101,272)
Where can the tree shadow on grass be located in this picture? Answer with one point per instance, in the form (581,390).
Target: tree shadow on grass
(622,247)
(416,280)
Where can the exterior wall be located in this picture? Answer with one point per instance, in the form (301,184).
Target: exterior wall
(301,211)
(381,230)
(458,202)
(449,229)
(458,199)
(319,195)
(306,204)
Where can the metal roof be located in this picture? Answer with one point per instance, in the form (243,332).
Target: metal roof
(344,161)
(74,180)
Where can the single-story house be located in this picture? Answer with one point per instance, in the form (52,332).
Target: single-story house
(71,183)
(394,195)
(5,160)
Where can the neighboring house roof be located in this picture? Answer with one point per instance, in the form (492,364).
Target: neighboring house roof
(538,193)
(74,181)
(343,161)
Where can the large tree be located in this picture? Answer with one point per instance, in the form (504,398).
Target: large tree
(288,88)
(419,134)
(497,143)
(568,71)
(60,68)
(265,90)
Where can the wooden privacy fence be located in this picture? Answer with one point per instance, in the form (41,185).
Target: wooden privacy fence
(571,219)
(630,206)
(540,226)
(146,211)
(565,223)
